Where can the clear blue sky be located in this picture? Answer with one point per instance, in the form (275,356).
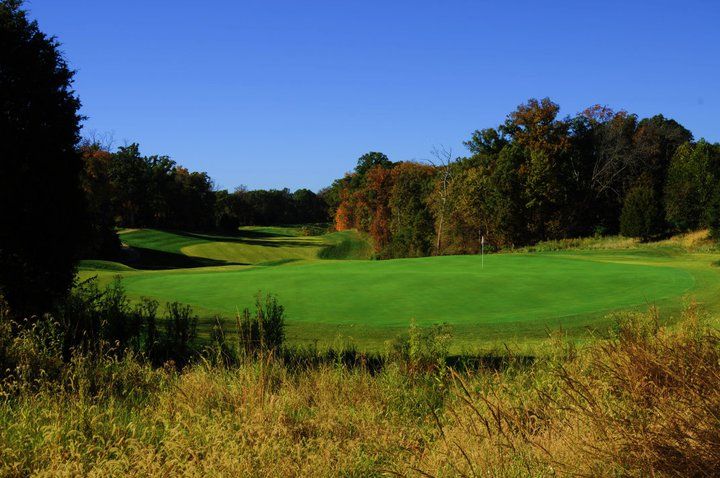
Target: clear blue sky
(289,93)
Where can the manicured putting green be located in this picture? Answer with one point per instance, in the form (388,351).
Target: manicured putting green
(512,288)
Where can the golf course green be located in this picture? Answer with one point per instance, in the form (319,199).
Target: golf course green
(511,296)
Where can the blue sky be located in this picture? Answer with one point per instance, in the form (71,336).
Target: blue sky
(289,93)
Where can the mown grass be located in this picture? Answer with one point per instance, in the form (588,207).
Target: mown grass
(642,403)
(512,296)
(516,298)
(250,246)
(347,248)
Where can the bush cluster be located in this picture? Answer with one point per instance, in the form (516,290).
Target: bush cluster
(99,323)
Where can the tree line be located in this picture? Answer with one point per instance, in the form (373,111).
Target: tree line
(536,177)
(127,189)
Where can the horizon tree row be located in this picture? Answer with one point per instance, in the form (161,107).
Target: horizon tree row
(127,189)
(536,177)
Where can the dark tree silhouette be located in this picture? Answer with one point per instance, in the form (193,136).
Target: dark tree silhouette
(41,202)
(640,215)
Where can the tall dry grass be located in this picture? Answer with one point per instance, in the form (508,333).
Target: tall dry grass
(644,403)
(256,419)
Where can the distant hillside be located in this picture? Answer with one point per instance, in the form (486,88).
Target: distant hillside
(156,249)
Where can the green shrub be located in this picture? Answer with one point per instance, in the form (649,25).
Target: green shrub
(146,313)
(689,187)
(91,318)
(421,347)
(264,331)
(713,215)
(220,351)
(104,322)
(180,333)
(640,215)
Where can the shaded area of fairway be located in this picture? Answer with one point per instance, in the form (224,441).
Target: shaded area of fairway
(523,291)
(149,249)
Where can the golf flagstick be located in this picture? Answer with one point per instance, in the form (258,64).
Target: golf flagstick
(482,252)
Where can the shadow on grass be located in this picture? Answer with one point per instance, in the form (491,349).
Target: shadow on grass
(252,234)
(347,249)
(142,258)
(278,262)
(488,362)
(307,357)
(152,259)
(248,239)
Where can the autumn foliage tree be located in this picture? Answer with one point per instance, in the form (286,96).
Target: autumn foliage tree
(536,176)
(102,240)
(378,187)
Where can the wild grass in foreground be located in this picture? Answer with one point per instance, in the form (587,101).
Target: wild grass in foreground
(643,403)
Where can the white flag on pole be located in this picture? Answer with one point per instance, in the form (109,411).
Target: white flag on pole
(482,252)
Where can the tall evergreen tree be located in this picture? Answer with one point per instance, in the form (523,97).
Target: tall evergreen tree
(41,202)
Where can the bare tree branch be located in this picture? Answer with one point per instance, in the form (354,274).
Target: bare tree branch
(442,159)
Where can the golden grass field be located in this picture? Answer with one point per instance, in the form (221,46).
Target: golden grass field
(642,403)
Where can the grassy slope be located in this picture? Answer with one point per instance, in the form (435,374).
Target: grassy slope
(252,245)
(149,250)
(153,249)
(270,248)
(516,297)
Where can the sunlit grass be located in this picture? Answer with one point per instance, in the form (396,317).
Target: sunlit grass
(516,298)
